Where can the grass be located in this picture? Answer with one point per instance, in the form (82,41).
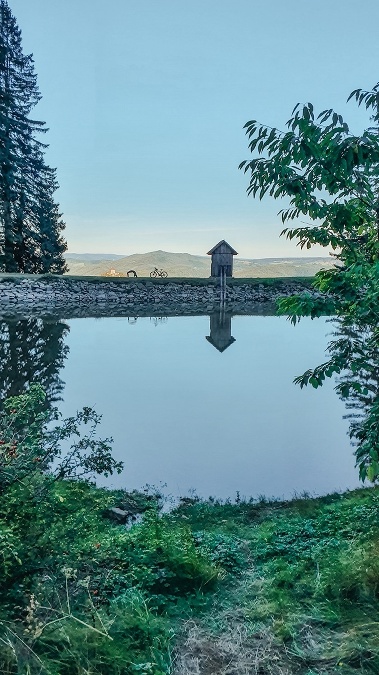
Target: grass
(306,598)
(80,594)
(263,587)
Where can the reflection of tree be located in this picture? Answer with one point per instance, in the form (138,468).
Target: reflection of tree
(32,350)
(354,357)
(358,385)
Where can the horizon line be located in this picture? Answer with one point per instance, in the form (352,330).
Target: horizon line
(197,255)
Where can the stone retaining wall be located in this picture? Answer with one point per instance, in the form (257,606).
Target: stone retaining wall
(38,296)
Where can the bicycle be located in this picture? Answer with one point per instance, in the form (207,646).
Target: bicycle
(158,273)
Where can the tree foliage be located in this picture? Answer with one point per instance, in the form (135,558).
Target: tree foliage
(330,177)
(30,223)
(31,445)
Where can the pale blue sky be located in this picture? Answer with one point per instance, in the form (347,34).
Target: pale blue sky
(146,100)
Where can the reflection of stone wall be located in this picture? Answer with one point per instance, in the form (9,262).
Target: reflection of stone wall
(66,297)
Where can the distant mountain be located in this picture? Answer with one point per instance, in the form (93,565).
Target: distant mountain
(89,257)
(187,265)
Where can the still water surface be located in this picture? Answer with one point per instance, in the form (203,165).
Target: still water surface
(186,415)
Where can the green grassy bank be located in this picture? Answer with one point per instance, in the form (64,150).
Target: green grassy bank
(265,587)
(257,587)
(300,591)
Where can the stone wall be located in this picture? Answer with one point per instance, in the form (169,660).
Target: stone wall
(65,296)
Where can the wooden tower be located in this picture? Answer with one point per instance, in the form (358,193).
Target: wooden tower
(222,259)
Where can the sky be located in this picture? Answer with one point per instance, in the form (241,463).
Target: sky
(145,101)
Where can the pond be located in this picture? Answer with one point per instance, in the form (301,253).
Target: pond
(194,403)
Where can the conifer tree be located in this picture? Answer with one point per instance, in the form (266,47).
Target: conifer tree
(30,223)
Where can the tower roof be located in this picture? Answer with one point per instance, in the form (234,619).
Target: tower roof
(220,345)
(220,243)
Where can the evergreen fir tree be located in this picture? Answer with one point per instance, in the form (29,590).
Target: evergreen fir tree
(30,223)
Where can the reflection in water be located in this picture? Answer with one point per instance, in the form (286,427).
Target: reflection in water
(265,427)
(176,419)
(358,348)
(220,326)
(32,350)
(158,320)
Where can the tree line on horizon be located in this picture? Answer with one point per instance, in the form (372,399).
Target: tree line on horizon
(31,225)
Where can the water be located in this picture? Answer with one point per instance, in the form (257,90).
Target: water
(186,415)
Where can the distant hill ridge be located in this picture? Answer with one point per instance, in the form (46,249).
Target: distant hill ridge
(187,265)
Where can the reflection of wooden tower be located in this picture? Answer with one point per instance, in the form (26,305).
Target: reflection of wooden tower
(222,259)
(220,331)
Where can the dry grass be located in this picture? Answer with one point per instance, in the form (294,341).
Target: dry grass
(236,651)
(240,649)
